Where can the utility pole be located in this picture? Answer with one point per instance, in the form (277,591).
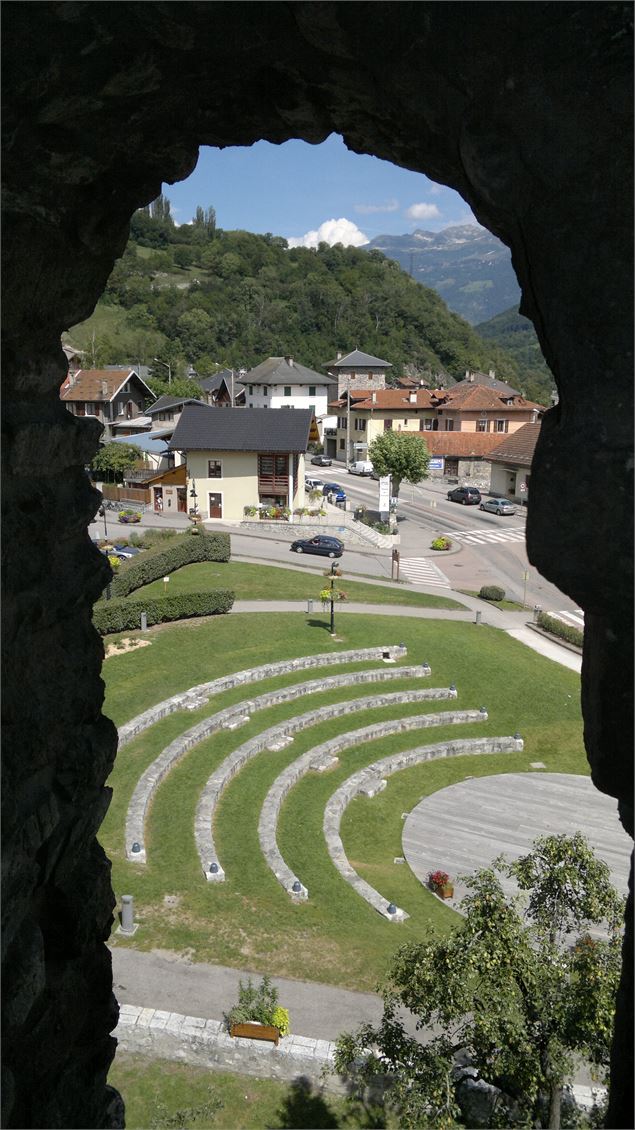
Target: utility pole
(232,389)
(348,420)
(332,579)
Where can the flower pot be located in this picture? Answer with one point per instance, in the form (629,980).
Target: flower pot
(445,892)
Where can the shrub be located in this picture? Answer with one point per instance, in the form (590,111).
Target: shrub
(255,1002)
(129,516)
(558,628)
(125,615)
(491,592)
(250,511)
(159,563)
(281,1020)
(441,543)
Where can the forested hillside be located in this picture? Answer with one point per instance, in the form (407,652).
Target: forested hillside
(516,335)
(196,295)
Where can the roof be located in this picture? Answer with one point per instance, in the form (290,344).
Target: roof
(358,360)
(98,384)
(284,371)
(490,382)
(203,428)
(467,396)
(168,401)
(395,399)
(212,384)
(464,445)
(518,447)
(153,443)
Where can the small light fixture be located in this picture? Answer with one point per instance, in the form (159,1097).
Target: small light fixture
(296,887)
(452,686)
(136,847)
(213,869)
(391,908)
(483,710)
(517,736)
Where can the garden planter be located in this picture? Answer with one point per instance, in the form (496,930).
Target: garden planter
(251,1030)
(445,892)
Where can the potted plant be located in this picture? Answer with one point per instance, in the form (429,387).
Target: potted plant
(441,543)
(257,1015)
(439,883)
(250,511)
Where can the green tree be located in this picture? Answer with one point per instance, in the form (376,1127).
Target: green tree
(113,459)
(402,455)
(507,987)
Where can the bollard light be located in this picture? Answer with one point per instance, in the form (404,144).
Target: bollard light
(478,617)
(296,887)
(136,847)
(517,736)
(452,686)
(483,710)
(213,869)
(391,908)
(127,915)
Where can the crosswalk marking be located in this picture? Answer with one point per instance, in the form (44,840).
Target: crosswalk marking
(480,537)
(575,618)
(422,571)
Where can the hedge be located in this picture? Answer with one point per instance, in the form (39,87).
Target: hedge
(160,562)
(492,592)
(557,628)
(125,615)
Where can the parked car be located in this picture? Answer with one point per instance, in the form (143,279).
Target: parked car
(321,461)
(126,551)
(313,484)
(338,492)
(469,496)
(326,546)
(498,506)
(361,467)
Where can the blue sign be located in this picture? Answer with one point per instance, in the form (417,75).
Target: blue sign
(436,464)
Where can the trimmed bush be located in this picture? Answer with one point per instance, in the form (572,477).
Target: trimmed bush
(491,592)
(125,615)
(185,550)
(557,628)
(441,543)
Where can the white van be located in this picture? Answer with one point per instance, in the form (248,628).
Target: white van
(361,467)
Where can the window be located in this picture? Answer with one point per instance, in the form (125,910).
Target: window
(250,404)
(360,425)
(312,391)
(341,444)
(449,425)
(287,390)
(425,425)
(501,425)
(214,469)
(405,423)
(251,393)
(312,408)
(482,425)
(387,425)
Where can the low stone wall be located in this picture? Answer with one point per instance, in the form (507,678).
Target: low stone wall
(341,525)
(229,719)
(206,1043)
(360,781)
(200,694)
(274,738)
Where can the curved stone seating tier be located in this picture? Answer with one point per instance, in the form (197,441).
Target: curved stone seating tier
(200,694)
(322,757)
(358,783)
(275,737)
(229,719)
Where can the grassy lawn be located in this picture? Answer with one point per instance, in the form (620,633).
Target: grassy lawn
(249,921)
(504,605)
(154,1087)
(268,582)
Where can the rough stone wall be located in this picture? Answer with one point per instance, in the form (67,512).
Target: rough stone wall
(524,109)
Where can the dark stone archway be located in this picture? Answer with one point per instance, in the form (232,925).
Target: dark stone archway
(525,109)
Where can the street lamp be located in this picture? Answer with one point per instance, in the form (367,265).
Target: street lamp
(102,514)
(194,496)
(332,580)
(167,366)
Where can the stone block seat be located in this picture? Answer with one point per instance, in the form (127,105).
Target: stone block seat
(197,696)
(342,797)
(227,770)
(230,719)
(325,754)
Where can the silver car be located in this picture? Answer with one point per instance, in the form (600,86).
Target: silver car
(498,506)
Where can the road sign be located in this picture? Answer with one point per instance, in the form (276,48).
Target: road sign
(384,494)
(523,488)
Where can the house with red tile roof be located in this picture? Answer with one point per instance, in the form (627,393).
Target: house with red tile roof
(472,407)
(115,397)
(363,414)
(511,463)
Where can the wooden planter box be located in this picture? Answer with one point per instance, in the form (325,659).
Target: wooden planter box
(255,1032)
(445,892)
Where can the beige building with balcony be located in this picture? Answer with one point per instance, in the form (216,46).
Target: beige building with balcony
(242,457)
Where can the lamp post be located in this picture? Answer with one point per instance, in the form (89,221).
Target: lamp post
(102,514)
(167,366)
(332,580)
(194,496)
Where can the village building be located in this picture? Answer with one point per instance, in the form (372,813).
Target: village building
(115,397)
(511,463)
(242,457)
(358,370)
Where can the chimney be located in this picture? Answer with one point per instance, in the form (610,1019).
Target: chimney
(289,361)
(373,397)
(104,390)
(413,398)
(492,373)
(467,374)
(339,355)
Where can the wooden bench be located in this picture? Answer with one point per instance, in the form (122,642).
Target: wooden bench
(256,1032)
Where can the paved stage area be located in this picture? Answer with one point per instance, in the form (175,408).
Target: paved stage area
(465,826)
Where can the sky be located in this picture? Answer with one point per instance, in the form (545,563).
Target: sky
(311,193)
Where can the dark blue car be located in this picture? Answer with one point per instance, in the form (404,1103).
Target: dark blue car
(339,495)
(327,546)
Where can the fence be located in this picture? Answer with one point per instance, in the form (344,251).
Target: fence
(135,495)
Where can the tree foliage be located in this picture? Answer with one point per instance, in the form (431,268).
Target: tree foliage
(402,455)
(514,991)
(252,297)
(113,459)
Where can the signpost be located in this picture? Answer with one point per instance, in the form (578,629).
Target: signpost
(384,497)
(525,579)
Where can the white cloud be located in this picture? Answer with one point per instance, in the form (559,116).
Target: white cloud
(435,189)
(332,231)
(370,209)
(423,212)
